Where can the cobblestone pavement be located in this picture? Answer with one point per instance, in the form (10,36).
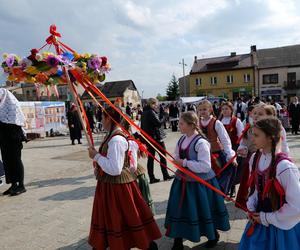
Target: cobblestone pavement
(55,211)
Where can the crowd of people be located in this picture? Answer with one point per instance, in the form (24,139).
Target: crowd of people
(222,144)
(248,139)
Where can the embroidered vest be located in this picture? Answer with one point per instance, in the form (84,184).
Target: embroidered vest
(267,185)
(190,153)
(125,176)
(212,135)
(232,131)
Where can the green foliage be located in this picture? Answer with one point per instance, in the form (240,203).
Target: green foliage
(173,89)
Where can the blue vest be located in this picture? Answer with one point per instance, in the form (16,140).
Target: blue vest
(190,153)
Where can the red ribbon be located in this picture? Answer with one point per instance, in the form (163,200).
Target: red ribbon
(52,39)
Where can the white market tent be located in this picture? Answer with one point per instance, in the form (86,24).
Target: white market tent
(191,99)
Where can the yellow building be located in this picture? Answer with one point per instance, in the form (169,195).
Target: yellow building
(228,76)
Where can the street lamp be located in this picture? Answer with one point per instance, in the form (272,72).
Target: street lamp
(183,69)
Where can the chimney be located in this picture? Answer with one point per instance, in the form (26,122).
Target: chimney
(195,59)
(253,48)
(232,54)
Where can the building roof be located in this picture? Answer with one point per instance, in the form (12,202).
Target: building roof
(230,62)
(113,89)
(279,57)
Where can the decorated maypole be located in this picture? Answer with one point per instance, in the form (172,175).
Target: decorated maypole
(46,70)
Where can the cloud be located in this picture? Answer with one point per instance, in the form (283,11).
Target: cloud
(145,40)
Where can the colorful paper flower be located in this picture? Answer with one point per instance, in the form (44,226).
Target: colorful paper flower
(25,62)
(10,60)
(39,57)
(95,63)
(52,61)
(41,77)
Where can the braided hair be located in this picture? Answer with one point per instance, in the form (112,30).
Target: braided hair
(271,127)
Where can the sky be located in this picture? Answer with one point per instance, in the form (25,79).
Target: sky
(145,40)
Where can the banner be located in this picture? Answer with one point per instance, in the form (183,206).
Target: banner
(41,117)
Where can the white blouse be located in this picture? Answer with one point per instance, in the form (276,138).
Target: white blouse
(113,163)
(288,176)
(134,148)
(239,125)
(223,137)
(200,165)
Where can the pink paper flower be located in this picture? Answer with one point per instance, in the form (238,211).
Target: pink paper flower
(95,63)
(52,61)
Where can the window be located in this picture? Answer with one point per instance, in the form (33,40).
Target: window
(247,78)
(270,79)
(213,80)
(229,79)
(198,81)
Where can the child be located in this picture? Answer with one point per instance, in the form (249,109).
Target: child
(247,147)
(234,128)
(274,199)
(232,124)
(193,209)
(221,148)
(121,219)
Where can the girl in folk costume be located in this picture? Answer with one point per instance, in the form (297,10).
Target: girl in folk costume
(121,218)
(232,124)
(221,148)
(274,199)
(247,147)
(193,209)
(234,128)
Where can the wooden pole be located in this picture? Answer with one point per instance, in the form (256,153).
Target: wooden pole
(78,107)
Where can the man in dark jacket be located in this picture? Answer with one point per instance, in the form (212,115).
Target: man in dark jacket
(294,112)
(174,115)
(151,124)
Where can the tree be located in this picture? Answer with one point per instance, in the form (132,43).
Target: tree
(173,89)
(161,98)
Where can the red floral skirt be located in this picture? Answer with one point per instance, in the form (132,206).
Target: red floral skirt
(121,218)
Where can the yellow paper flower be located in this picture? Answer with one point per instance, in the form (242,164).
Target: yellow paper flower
(5,55)
(31,70)
(10,78)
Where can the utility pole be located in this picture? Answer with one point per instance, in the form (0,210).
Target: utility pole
(183,70)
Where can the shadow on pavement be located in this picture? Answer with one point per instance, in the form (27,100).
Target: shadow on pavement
(80,193)
(60,181)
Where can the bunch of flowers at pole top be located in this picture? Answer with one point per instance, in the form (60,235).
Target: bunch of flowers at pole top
(47,68)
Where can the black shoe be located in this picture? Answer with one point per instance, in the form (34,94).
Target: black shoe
(153,246)
(79,142)
(169,177)
(212,243)
(7,192)
(178,245)
(18,190)
(73,143)
(154,180)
